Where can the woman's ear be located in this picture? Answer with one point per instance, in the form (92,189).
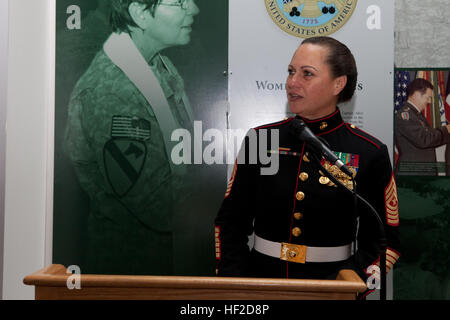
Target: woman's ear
(139,14)
(339,84)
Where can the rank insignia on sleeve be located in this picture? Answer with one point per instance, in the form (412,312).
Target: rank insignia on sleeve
(391,258)
(391,201)
(374,269)
(217,242)
(130,127)
(230,183)
(405,115)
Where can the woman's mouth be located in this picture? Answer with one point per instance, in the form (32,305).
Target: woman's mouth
(294,97)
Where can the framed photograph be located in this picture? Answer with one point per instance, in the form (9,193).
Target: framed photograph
(421,125)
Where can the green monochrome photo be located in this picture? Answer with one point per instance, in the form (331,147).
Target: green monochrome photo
(128,74)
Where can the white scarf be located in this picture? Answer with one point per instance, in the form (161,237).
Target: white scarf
(122,51)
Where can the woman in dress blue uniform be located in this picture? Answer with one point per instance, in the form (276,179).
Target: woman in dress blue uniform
(304,224)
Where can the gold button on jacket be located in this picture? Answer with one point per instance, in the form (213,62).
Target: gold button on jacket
(296,232)
(298,216)
(304,176)
(300,196)
(324,180)
(323,125)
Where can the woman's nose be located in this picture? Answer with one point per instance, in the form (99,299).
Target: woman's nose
(292,81)
(192,8)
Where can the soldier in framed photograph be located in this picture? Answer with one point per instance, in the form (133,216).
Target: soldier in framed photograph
(415,139)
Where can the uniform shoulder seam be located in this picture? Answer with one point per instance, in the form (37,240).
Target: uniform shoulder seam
(364,135)
(274,124)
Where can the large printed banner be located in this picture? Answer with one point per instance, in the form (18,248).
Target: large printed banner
(122,204)
(264,35)
(117,207)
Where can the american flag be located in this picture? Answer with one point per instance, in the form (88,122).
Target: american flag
(447,99)
(441,97)
(402,80)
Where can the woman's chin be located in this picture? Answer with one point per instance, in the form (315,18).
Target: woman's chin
(298,110)
(186,38)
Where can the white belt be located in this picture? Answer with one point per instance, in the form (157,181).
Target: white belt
(302,254)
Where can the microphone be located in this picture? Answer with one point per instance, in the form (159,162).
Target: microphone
(301,130)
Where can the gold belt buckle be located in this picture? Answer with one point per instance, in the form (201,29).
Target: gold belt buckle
(293,252)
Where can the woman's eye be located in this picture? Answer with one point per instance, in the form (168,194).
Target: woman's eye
(291,72)
(307,73)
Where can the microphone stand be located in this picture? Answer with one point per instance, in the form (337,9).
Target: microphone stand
(381,230)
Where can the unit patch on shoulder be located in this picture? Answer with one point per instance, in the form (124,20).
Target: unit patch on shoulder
(124,160)
(405,115)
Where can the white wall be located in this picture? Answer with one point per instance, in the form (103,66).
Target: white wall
(421,33)
(28,143)
(3,90)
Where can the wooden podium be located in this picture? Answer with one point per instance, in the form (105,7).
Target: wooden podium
(51,283)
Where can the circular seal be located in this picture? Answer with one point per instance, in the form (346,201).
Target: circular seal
(310,18)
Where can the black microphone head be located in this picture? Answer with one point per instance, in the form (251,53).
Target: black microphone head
(297,127)
(301,131)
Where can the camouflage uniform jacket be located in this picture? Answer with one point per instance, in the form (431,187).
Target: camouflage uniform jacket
(117,147)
